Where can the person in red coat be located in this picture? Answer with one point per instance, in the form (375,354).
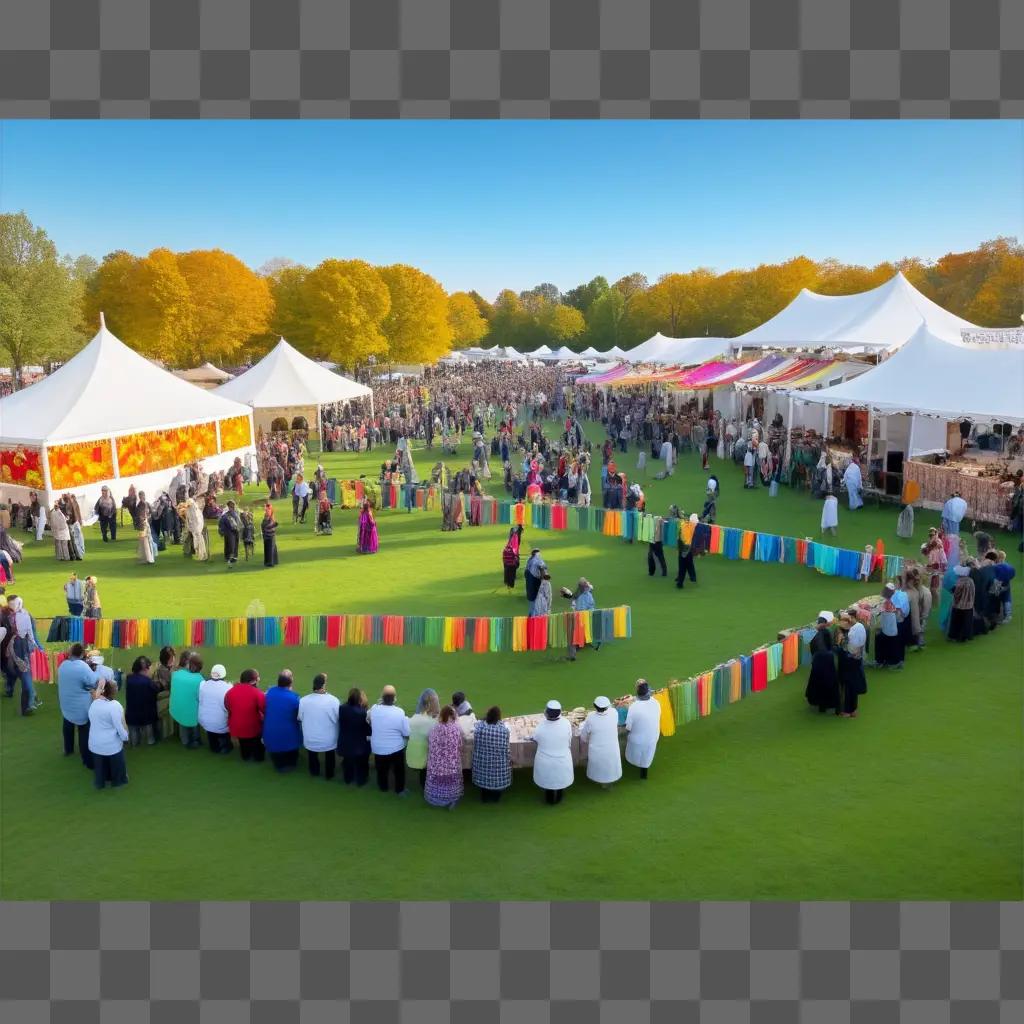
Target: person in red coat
(245,704)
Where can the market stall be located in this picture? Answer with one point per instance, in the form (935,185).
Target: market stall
(109,417)
(287,385)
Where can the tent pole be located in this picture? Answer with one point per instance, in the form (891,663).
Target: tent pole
(789,433)
(824,421)
(910,439)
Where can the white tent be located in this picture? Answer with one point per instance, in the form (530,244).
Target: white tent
(108,409)
(678,351)
(882,318)
(590,352)
(286,381)
(565,354)
(537,353)
(615,353)
(931,376)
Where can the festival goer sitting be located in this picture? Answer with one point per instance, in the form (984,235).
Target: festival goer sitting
(324,526)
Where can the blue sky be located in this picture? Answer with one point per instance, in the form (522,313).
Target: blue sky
(488,205)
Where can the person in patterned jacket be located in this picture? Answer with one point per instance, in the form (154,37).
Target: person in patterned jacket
(492,769)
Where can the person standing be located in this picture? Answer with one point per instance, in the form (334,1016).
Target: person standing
(889,648)
(185,683)
(600,731)
(268,530)
(535,569)
(213,715)
(93,605)
(389,730)
(953,513)
(140,713)
(74,594)
(354,739)
(77,687)
(582,601)
(686,565)
(245,705)
(830,515)
(854,483)
(444,785)
(492,768)
(510,556)
(230,527)
(428,710)
(367,541)
(552,767)
(542,602)
(823,684)
(23,641)
(853,638)
(106,510)
(107,735)
(643,726)
(656,557)
(318,716)
(282,735)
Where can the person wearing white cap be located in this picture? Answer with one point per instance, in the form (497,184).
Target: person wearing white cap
(213,715)
(601,733)
(552,767)
(643,724)
(823,683)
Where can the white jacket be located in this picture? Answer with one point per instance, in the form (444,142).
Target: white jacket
(601,731)
(553,768)
(643,720)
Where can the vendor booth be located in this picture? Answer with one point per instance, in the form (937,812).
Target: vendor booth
(110,417)
(286,385)
(908,404)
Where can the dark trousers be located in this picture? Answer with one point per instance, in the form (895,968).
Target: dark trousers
(109,768)
(284,760)
(83,741)
(108,524)
(251,748)
(553,796)
(656,554)
(230,547)
(388,764)
(355,769)
(686,568)
(490,796)
(220,742)
(314,763)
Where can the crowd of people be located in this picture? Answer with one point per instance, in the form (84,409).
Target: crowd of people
(434,742)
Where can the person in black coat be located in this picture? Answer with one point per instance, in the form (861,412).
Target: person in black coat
(268,528)
(354,739)
(823,685)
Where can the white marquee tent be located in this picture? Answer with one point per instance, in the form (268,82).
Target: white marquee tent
(678,351)
(206,375)
(882,318)
(935,378)
(287,383)
(79,424)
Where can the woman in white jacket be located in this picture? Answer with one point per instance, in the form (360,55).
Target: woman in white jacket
(601,733)
(643,722)
(552,767)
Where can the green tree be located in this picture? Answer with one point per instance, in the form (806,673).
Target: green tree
(39,299)
(582,296)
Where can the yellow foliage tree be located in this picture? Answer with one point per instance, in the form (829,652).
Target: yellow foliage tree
(345,303)
(465,319)
(232,303)
(147,303)
(416,326)
(562,323)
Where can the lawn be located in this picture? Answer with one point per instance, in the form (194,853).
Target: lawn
(919,798)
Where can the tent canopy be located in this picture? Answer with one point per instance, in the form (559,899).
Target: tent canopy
(285,378)
(678,351)
(107,390)
(205,373)
(932,376)
(885,317)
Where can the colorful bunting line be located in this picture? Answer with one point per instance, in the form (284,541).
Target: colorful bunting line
(480,634)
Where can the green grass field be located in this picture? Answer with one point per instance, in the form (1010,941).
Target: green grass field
(918,798)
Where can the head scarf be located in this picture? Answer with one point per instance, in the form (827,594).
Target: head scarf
(22,619)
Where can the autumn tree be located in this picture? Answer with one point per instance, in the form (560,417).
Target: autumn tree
(345,302)
(289,319)
(147,303)
(231,303)
(416,326)
(561,323)
(39,297)
(467,323)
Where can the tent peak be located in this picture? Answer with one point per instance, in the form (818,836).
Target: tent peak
(103,321)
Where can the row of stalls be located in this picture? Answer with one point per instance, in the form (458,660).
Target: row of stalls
(920,394)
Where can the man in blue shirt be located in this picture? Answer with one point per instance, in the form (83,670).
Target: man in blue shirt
(76,689)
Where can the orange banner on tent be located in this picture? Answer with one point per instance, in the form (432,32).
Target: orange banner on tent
(153,450)
(72,465)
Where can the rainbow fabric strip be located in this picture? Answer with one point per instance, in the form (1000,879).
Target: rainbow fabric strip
(716,540)
(480,634)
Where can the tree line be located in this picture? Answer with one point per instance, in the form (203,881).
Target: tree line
(190,307)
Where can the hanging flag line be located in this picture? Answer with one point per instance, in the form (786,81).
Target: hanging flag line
(687,700)
(479,634)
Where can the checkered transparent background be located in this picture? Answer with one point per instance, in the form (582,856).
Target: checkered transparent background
(511,58)
(512,963)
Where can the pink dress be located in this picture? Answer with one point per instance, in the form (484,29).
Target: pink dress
(444,765)
(367,540)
